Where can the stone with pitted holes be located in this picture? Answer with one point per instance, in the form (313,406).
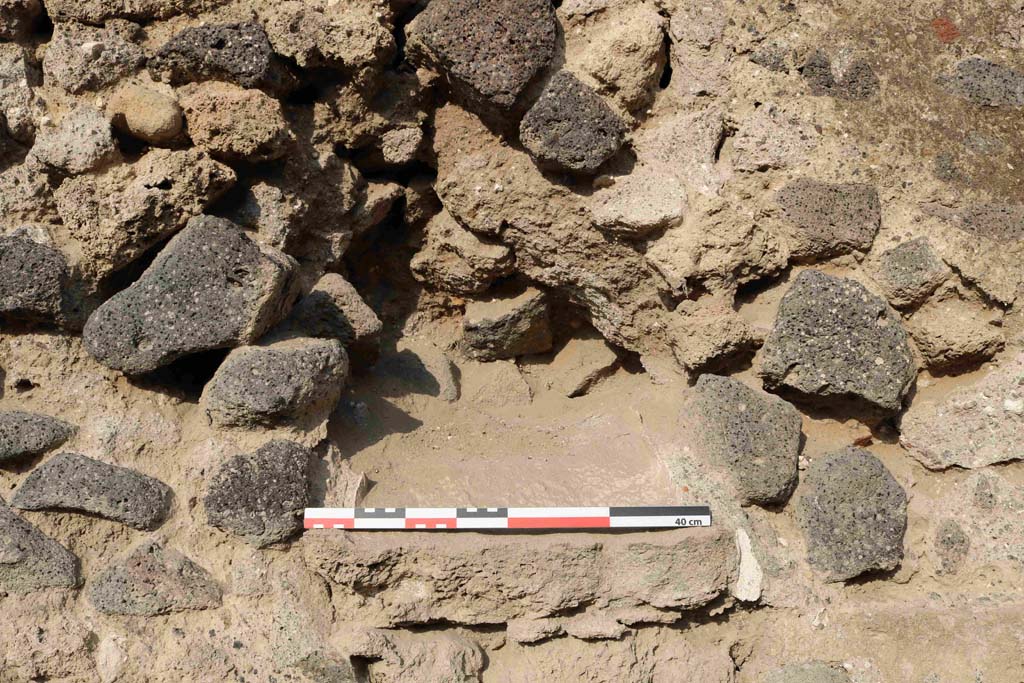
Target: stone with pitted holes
(30,560)
(24,434)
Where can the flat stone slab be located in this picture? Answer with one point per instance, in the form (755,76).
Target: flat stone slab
(69,481)
(30,560)
(24,434)
(506,327)
(830,218)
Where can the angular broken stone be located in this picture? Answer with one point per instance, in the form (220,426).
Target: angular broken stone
(909,272)
(32,279)
(975,426)
(261,496)
(235,124)
(955,329)
(808,672)
(82,142)
(69,481)
(754,434)
(857,81)
(19,104)
(334,309)
(830,219)
(30,560)
(153,580)
(507,327)
(459,261)
(210,288)
(570,128)
(278,381)
(853,514)
(488,50)
(118,215)
(580,365)
(85,58)
(832,338)
(986,83)
(23,434)
(640,203)
(235,53)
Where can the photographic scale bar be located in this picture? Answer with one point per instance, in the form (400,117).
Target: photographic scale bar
(455,519)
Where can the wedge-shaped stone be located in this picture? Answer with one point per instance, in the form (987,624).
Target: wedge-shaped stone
(23,434)
(30,560)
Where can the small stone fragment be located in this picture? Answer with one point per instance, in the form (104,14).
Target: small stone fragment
(401,145)
(909,272)
(18,17)
(755,435)
(84,58)
(570,127)
(954,330)
(951,545)
(261,496)
(146,114)
(402,657)
(81,143)
(32,278)
(234,53)
(24,434)
(30,560)
(459,261)
(488,50)
(856,82)
(986,83)
(277,382)
(580,365)
(334,309)
(708,334)
(153,580)
(834,339)
(853,514)
(975,426)
(69,481)
(830,219)
(640,203)
(210,288)
(234,123)
(20,107)
(507,327)
(808,672)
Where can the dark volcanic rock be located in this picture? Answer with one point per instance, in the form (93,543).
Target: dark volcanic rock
(32,277)
(857,81)
(236,53)
(261,496)
(69,481)
(853,514)
(909,272)
(508,327)
(23,434)
(488,50)
(833,338)
(153,580)
(570,127)
(334,309)
(30,560)
(830,219)
(277,382)
(756,435)
(211,287)
(986,83)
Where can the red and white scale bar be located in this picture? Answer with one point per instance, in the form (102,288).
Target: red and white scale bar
(451,519)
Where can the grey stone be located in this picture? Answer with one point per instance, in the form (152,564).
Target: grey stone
(488,50)
(808,672)
(856,82)
(82,142)
(30,560)
(69,481)
(755,435)
(84,58)
(1002,223)
(261,496)
(830,219)
(210,288)
(32,279)
(986,83)
(18,17)
(834,339)
(333,309)
(570,127)
(103,11)
(23,434)
(951,545)
(19,104)
(771,57)
(237,53)
(153,580)
(909,272)
(853,514)
(276,382)
(507,327)
(975,426)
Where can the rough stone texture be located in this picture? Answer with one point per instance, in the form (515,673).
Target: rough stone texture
(117,215)
(830,219)
(909,272)
(977,425)
(400,657)
(32,279)
(24,434)
(18,18)
(29,560)
(82,142)
(952,545)
(492,579)
(834,339)
(853,514)
(487,50)
(333,309)
(570,127)
(19,103)
(84,58)
(771,138)
(211,287)
(857,81)
(808,672)
(986,83)
(639,204)
(146,113)
(277,382)
(235,124)
(101,11)
(153,579)
(754,435)
(507,327)
(69,481)
(456,260)
(954,330)
(580,365)
(236,53)
(260,496)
